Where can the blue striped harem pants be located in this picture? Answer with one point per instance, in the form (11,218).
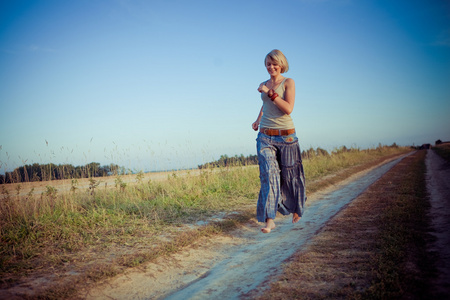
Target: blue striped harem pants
(282,177)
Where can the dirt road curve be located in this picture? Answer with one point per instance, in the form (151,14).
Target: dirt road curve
(230,267)
(438,186)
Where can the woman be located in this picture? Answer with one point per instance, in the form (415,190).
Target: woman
(279,156)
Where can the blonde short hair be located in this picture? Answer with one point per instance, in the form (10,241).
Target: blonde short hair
(278,57)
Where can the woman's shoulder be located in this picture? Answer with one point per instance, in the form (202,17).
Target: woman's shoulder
(289,82)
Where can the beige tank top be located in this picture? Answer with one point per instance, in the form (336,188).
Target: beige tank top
(272,116)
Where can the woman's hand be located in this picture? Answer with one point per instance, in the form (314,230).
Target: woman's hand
(262,88)
(255,125)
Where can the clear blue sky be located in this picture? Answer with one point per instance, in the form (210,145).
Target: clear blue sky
(172,84)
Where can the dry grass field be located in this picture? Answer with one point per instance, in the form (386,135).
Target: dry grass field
(55,245)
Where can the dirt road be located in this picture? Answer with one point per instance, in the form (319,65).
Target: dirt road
(229,267)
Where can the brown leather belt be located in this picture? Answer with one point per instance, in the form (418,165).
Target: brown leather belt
(269,131)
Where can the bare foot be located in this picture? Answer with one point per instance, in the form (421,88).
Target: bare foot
(270,224)
(296,218)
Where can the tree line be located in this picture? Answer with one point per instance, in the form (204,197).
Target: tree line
(45,172)
(40,172)
(227,161)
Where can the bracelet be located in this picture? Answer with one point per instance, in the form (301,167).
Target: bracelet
(274,96)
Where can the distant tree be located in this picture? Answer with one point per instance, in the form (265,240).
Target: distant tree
(322,152)
(394,145)
(309,154)
(341,149)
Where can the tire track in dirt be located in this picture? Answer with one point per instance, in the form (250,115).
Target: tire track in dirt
(229,267)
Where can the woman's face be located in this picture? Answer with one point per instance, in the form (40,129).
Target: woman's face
(272,67)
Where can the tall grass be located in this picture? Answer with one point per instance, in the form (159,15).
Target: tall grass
(50,229)
(320,163)
(64,223)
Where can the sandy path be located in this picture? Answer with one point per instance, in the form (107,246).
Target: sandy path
(230,267)
(438,186)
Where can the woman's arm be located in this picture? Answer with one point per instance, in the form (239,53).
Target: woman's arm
(287,106)
(255,124)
